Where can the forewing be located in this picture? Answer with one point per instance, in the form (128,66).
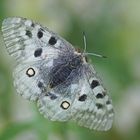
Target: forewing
(34,47)
(23,36)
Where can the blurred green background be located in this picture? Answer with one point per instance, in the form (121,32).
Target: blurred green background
(113,29)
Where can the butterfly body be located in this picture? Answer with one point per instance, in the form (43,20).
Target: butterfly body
(51,72)
(65,67)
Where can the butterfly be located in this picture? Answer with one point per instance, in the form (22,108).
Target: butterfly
(58,77)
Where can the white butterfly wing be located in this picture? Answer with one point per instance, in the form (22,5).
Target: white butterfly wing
(56,104)
(34,47)
(93,109)
(23,36)
(52,108)
(87,103)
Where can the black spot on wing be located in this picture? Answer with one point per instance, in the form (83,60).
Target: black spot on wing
(108,102)
(32,25)
(40,34)
(51,95)
(99,95)
(28,33)
(99,106)
(82,97)
(40,84)
(38,52)
(52,41)
(94,84)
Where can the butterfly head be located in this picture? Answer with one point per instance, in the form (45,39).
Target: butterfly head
(81,54)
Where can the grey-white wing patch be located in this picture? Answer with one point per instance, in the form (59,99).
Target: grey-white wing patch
(55,109)
(93,108)
(25,81)
(23,37)
(85,102)
(34,47)
(49,71)
(28,78)
(56,104)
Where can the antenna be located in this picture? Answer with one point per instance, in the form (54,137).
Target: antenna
(94,54)
(85,47)
(85,42)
